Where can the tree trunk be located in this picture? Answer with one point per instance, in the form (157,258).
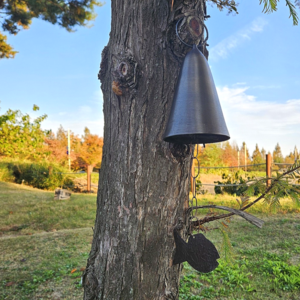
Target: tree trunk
(144,181)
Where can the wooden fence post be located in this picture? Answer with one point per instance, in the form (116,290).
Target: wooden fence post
(50,170)
(268,168)
(89,177)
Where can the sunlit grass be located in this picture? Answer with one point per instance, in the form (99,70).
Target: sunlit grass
(26,210)
(287,205)
(44,259)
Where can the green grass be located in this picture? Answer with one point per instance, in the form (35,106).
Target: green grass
(44,240)
(266,264)
(40,266)
(287,205)
(25,210)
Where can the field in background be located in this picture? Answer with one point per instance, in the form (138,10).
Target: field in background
(25,210)
(44,245)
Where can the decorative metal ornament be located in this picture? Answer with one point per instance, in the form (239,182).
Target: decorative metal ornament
(196,118)
(196,115)
(199,252)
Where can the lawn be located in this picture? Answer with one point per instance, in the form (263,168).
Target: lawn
(25,210)
(44,245)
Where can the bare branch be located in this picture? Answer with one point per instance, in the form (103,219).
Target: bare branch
(250,218)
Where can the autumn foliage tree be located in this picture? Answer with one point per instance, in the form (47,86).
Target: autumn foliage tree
(229,155)
(84,151)
(90,150)
(57,145)
(277,155)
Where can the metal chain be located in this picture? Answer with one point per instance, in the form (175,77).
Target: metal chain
(194,201)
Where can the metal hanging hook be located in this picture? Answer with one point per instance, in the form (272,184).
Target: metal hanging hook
(201,43)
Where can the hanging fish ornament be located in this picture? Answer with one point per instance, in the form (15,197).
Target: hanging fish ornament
(199,252)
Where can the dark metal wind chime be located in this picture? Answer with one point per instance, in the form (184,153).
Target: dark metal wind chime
(196,118)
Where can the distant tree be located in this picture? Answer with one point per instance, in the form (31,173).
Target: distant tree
(18,14)
(57,146)
(229,155)
(257,158)
(211,155)
(263,153)
(86,133)
(90,150)
(22,138)
(277,155)
(84,151)
(290,159)
(296,153)
(243,160)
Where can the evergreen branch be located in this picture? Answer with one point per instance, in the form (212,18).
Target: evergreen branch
(226,246)
(293,12)
(269,5)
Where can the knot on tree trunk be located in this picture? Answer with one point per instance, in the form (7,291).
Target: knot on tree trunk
(124,73)
(180,151)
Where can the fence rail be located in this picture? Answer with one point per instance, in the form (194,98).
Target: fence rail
(232,167)
(211,184)
(268,164)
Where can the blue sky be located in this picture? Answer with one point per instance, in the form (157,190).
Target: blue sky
(253,58)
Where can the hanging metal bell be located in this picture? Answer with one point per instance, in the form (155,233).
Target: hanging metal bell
(196,116)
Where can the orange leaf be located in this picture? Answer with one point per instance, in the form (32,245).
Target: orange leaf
(10,212)
(82,269)
(225,225)
(10,283)
(74,270)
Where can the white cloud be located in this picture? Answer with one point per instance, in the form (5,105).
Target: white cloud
(226,46)
(89,115)
(85,109)
(262,122)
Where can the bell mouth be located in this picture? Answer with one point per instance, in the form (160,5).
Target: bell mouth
(197,138)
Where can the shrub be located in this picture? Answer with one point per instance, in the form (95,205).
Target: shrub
(5,173)
(42,175)
(239,178)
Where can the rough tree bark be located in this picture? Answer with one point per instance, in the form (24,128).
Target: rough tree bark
(144,181)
